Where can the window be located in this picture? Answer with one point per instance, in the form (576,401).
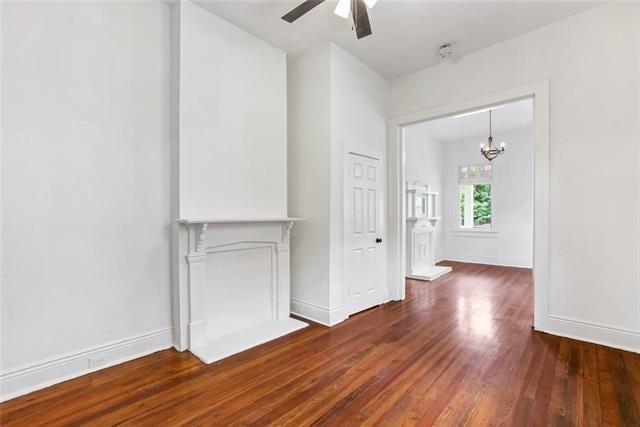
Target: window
(475,197)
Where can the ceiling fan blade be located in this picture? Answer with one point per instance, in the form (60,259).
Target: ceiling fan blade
(301,10)
(360,18)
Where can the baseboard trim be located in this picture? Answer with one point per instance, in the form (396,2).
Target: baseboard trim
(316,313)
(35,376)
(503,262)
(596,333)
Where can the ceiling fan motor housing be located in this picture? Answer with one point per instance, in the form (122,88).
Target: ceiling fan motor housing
(356,9)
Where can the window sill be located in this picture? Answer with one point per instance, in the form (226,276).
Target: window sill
(474,233)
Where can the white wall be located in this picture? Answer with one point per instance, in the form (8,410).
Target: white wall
(359,98)
(594,196)
(424,158)
(337,104)
(1,182)
(230,135)
(511,240)
(309,157)
(85,176)
(233,121)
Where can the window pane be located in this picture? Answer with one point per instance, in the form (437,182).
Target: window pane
(466,205)
(475,173)
(475,205)
(462,206)
(482,205)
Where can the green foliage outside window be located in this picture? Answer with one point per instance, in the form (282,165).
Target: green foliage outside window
(481,205)
(462,204)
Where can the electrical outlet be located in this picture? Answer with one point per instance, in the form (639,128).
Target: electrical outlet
(96,362)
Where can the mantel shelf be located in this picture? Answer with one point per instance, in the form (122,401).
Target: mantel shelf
(428,193)
(426,218)
(235,220)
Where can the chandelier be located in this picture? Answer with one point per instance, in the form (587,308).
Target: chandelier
(489,150)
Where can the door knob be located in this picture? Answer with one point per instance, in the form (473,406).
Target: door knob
(378,240)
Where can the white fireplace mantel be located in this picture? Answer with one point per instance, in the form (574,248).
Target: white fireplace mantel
(233,284)
(421,250)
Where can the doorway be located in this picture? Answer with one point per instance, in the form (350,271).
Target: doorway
(539,93)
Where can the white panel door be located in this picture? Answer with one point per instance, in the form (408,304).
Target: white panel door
(364,255)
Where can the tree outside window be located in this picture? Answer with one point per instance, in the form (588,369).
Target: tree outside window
(475,196)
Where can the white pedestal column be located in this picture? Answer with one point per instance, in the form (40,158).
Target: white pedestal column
(421,251)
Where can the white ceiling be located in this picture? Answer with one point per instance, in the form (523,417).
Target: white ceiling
(508,117)
(406,33)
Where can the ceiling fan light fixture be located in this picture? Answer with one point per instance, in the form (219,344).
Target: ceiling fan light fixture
(370,3)
(343,9)
(355,9)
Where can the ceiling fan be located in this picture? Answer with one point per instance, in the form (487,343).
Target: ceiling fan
(357,9)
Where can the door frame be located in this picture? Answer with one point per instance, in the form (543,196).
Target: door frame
(383,288)
(539,92)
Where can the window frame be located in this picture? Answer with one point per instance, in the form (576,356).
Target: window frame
(457,229)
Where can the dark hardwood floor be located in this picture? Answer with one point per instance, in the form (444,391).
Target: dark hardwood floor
(458,351)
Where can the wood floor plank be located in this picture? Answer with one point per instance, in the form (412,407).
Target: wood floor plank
(632,367)
(619,407)
(457,351)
